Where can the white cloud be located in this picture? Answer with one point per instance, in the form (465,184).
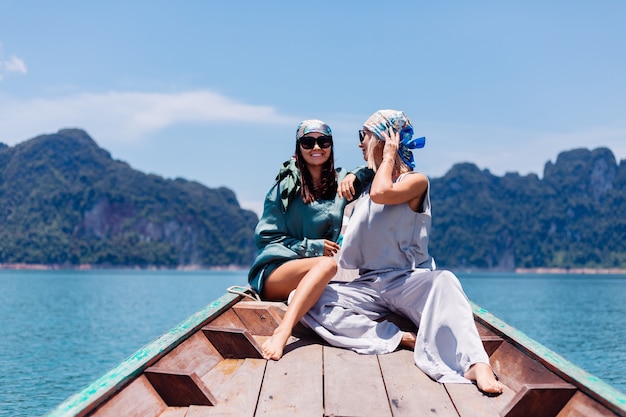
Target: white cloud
(125,116)
(14,64)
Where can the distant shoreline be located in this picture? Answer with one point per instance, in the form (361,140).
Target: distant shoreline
(590,271)
(87,267)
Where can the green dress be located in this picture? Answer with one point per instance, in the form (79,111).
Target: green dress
(298,232)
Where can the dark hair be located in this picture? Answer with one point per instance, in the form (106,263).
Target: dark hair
(327,189)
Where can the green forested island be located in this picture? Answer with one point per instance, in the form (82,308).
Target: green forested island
(573,217)
(65,202)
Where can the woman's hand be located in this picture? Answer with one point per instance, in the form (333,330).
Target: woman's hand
(392,143)
(330,248)
(346,187)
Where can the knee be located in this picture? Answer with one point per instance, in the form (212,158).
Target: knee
(446,279)
(327,265)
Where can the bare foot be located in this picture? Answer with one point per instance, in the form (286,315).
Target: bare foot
(485,378)
(274,346)
(408,340)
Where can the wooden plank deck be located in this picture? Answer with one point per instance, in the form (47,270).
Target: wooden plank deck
(317,380)
(215,361)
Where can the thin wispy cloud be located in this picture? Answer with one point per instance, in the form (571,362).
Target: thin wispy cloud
(126,116)
(12,64)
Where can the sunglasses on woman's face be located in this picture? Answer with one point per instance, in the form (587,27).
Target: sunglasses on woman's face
(361,136)
(308,142)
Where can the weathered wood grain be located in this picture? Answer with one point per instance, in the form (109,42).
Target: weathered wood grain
(259,318)
(539,400)
(581,405)
(179,388)
(228,319)
(220,375)
(139,399)
(195,354)
(105,387)
(236,391)
(470,402)
(293,386)
(233,343)
(335,382)
(588,384)
(516,369)
(174,412)
(411,392)
(353,385)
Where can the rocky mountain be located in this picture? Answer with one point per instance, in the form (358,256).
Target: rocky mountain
(573,217)
(65,201)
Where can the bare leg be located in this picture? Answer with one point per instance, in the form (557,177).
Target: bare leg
(312,275)
(485,378)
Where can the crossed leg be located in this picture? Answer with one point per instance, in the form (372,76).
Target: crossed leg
(308,277)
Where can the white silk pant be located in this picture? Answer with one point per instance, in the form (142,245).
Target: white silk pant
(447,339)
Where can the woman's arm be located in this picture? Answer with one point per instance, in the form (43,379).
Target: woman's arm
(355,182)
(272,229)
(411,189)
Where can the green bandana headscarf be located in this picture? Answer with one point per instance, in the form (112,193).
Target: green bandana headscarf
(289,179)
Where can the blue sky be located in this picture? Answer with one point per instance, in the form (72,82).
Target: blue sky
(212,91)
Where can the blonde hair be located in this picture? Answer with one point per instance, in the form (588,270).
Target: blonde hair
(376,145)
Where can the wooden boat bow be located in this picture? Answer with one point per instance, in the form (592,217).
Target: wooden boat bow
(210,365)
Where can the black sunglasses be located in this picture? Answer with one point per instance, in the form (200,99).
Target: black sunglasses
(308,142)
(361,136)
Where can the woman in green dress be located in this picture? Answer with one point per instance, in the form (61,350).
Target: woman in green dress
(298,232)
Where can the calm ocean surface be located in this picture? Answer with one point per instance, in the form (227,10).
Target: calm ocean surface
(63,329)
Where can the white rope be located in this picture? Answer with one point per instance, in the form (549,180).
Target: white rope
(244,291)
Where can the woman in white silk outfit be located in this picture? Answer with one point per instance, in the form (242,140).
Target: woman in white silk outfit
(387,240)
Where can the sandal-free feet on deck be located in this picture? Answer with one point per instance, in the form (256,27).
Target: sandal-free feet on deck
(273,348)
(486,380)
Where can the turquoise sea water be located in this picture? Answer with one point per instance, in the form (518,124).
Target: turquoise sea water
(63,329)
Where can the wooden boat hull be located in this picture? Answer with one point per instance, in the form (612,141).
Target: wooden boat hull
(210,365)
